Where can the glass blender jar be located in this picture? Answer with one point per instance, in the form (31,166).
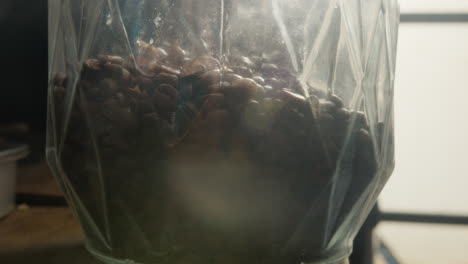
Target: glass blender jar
(221,131)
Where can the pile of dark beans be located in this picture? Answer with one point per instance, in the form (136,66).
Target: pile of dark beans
(186,159)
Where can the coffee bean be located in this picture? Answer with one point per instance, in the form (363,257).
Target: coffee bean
(252,106)
(200,64)
(59,92)
(316,92)
(241,61)
(276,84)
(121,98)
(119,115)
(213,101)
(166,78)
(91,92)
(209,78)
(146,84)
(115,71)
(269,69)
(243,71)
(360,120)
(230,77)
(247,62)
(165,97)
(112,104)
(291,97)
(258,61)
(209,82)
(176,54)
(126,78)
(108,87)
(168,89)
(364,141)
(327,117)
(218,87)
(227,71)
(259,80)
(150,121)
(92,64)
(336,100)
(151,52)
(187,60)
(269,91)
(143,106)
(110,59)
(241,90)
(90,107)
(167,69)
(130,65)
(342,114)
(135,93)
(91,70)
(327,106)
(260,92)
(60,79)
(154,68)
(327,125)
(158,53)
(271,106)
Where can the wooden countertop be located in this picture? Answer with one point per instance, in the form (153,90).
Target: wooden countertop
(49,235)
(38,227)
(37,179)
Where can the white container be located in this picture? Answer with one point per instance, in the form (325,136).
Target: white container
(9,154)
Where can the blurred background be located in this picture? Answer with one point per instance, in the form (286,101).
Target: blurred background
(431,174)
(23,25)
(424,207)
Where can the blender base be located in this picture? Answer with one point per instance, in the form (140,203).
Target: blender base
(111,260)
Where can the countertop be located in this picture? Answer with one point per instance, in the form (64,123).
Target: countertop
(41,234)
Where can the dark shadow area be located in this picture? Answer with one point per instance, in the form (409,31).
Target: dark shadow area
(23,98)
(70,254)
